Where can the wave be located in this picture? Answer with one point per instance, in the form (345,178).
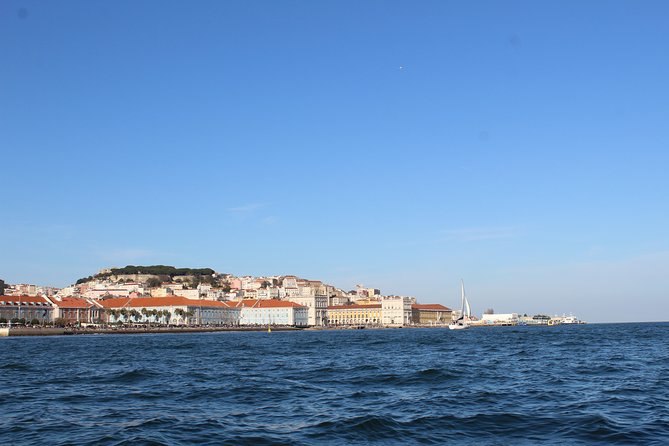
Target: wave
(578,386)
(21,367)
(481,428)
(131,376)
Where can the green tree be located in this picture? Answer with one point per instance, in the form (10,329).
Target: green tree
(153,282)
(183,314)
(134,315)
(84,280)
(162,270)
(112,313)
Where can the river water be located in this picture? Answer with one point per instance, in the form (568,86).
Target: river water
(587,384)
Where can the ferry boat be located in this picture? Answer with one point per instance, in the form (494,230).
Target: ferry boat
(560,320)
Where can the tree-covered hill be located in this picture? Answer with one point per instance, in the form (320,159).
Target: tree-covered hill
(159,270)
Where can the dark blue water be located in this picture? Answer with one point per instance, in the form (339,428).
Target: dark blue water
(508,385)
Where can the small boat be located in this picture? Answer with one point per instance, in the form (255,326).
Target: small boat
(462,322)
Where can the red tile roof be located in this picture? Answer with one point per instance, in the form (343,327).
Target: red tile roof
(167,301)
(438,307)
(25,300)
(72,302)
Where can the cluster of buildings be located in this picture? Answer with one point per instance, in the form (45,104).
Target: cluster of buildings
(230,301)
(226,300)
(516,319)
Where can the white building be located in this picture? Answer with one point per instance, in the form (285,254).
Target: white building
(190,294)
(339,297)
(317,305)
(396,310)
(98,293)
(130,287)
(290,282)
(67,291)
(500,319)
(267,293)
(215,294)
(249,283)
(272,312)
(250,294)
(175,310)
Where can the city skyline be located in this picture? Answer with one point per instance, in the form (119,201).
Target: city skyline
(521,147)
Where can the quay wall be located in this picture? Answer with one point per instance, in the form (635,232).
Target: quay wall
(31,331)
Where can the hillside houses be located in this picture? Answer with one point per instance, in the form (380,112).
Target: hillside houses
(224,299)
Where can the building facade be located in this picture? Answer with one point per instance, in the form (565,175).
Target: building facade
(173,310)
(26,308)
(75,310)
(396,310)
(343,315)
(431,314)
(272,312)
(500,319)
(316,303)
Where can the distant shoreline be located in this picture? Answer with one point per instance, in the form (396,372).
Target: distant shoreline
(53,331)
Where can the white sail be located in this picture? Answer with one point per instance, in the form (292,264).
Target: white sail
(465,312)
(462,302)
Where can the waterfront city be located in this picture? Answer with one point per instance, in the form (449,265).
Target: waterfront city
(160,296)
(305,223)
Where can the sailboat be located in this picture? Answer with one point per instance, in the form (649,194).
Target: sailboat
(465,313)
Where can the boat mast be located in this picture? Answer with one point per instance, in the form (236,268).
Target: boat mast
(463,299)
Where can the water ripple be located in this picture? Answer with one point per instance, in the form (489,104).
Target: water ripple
(598,384)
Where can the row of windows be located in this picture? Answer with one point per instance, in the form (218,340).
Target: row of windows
(354,321)
(26,313)
(354,314)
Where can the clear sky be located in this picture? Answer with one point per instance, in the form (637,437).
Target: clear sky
(522,146)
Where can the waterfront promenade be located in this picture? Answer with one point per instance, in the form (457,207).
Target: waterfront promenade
(49,331)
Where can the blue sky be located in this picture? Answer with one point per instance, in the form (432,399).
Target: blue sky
(522,146)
